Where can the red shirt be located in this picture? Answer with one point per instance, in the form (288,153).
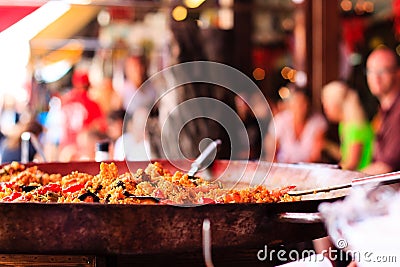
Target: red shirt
(80,113)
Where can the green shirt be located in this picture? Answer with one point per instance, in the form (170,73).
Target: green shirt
(351,133)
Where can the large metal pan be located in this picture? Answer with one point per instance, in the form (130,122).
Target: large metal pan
(105,229)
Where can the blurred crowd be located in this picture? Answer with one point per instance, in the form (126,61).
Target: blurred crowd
(129,117)
(370,146)
(79,118)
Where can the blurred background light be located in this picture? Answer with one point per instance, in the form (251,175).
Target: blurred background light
(284,92)
(259,74)
(179,13)
(193,3)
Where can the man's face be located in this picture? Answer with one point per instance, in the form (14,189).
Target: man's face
(381,73)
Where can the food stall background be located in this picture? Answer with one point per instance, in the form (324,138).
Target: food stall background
(273,42)
(306,42)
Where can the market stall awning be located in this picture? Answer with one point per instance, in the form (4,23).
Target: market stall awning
(57,38)
(12,14)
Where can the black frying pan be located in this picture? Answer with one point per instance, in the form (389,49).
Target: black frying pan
(105,229)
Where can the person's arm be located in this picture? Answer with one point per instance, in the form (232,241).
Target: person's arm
(318,145)
(271,145)
(353,157)
(387,148)
(271,142)
(377,167)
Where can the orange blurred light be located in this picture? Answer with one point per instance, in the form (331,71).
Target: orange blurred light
(259,74)
(346,5)
(288,24)
(284,92)
(359,8)
(285,71)
(369,7)
(291,76)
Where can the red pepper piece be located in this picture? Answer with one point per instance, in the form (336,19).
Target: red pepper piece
(56,188)
(73,188)
(12,197)
(5,185)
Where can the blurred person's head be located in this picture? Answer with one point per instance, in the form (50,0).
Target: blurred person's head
(137,123)
(136,69)
(333,97)
(382,72)
(80,79)
(342,103)
(115,121)
(299,103)
(14,138)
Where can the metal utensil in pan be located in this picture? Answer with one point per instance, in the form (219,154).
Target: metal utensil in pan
(374,182)
(203,157)
(381,179)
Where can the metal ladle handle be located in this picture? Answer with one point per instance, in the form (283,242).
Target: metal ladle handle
(207,243)
(299,217)
(373,181)
(198,163)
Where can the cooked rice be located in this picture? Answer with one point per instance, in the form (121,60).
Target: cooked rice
(18,183)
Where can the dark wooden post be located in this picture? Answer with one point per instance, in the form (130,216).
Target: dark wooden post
(325,54)
(243,26)
(317,54)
